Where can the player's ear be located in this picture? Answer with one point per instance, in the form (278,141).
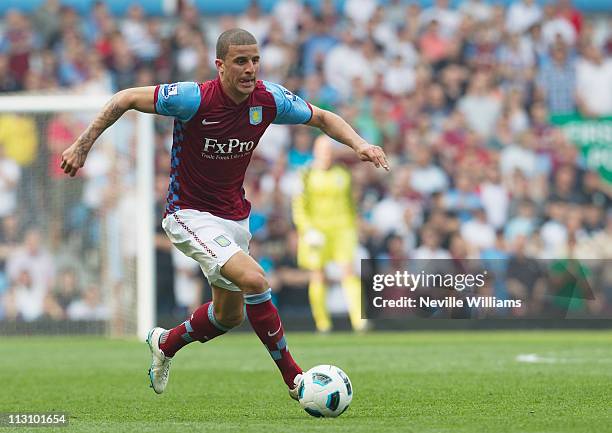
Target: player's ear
(220,65)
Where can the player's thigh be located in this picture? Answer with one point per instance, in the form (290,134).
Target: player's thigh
(209,240)
(312,257)
(246,273)
(343,245)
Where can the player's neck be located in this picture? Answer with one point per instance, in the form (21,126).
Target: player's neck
(231,93)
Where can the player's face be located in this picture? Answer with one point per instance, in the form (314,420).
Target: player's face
(239,69)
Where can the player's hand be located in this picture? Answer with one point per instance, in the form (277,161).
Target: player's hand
(74,158)
(314,238)
(374,154)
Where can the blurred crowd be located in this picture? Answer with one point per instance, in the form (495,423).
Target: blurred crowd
(461,99)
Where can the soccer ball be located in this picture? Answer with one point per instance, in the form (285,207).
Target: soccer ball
(325,391)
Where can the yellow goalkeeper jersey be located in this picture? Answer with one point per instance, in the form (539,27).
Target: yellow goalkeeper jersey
(326,201)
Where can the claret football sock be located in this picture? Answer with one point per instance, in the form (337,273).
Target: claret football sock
(266,322)
(201,326)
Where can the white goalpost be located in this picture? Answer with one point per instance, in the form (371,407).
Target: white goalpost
(98,227)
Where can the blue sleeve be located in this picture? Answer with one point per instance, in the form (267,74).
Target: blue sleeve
(181,100)
(290,108)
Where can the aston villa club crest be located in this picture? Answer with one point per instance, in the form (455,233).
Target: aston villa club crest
(222,241)
(255,115)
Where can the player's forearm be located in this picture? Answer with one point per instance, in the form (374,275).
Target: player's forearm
(111,112)
(338,129)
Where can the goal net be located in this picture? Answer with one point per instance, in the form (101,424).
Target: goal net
(76,254)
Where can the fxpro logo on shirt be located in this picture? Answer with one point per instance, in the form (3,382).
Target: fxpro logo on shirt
(234,148)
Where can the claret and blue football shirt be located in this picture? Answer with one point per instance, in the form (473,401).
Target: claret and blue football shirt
(214,139)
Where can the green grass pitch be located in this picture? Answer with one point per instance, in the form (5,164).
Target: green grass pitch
(404,382)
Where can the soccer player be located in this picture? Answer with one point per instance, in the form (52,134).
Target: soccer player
(325,216)
(216,129)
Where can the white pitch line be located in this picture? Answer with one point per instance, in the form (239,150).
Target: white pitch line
(533,358)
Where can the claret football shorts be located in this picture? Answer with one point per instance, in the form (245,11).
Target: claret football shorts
(209,240)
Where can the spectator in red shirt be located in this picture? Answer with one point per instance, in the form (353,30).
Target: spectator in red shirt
(434,47)
(570,13)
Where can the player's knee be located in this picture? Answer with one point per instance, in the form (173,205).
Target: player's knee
(230,319)
(253,282)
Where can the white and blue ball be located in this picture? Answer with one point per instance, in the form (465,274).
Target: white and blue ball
(325,391)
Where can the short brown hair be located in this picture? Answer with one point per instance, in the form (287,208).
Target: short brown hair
(233,37)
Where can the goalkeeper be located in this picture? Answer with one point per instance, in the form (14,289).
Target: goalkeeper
(326,219)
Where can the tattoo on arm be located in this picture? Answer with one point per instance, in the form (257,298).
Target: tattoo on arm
(109,115)
(81,153)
